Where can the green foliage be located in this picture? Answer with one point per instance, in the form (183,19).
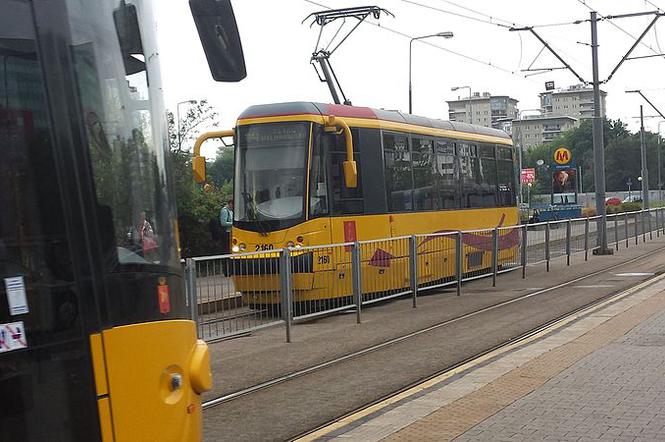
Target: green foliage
(196,207)
(622,156)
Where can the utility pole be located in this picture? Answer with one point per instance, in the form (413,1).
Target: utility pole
(598,146)
(645,170)
(660,164)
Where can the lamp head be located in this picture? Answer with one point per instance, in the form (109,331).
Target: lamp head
(446,34)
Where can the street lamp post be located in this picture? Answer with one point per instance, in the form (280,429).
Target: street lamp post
(446,34)
(456,88)
(177,111)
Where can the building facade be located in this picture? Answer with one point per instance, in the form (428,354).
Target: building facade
(484,110)
(575,101)
(540,129)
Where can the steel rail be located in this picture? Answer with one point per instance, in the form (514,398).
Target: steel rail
(314,368)
(511,342)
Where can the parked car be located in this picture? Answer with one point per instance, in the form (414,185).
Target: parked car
(612,201)
(633,199)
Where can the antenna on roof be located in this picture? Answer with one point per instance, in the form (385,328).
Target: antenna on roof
(322,55)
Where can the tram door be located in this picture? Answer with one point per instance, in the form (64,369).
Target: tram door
(46,385)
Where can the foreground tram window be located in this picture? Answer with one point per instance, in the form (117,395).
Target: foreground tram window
(46,388)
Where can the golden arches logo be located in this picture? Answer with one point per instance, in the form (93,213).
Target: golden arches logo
(562,156)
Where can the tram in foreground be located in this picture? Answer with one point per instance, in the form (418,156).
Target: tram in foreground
(95,340)
(311,174)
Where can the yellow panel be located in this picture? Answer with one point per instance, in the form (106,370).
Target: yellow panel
(105,422)
(141,361)
(98,365)
(328,279)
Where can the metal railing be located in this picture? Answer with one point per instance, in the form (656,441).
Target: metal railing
(240,293)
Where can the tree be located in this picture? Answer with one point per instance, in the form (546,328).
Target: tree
(197,208)
(197,114)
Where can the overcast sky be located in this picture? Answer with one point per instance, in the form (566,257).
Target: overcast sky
(372,64)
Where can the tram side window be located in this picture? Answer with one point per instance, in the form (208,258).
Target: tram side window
(424,193)
(506,176)
(447,175)
(345,200)
(487,154)
(468,173)
(399,177)
(478,171)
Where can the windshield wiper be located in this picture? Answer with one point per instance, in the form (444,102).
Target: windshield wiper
(250,208)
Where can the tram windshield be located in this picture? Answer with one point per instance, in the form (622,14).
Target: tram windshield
(270,174)
(117,76)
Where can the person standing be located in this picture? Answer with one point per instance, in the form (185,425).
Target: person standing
(226,220)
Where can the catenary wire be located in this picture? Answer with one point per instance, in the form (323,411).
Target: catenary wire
(444,11)
(468,57)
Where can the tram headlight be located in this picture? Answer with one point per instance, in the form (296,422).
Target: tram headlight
(242,246)
(235,249)
(290,244)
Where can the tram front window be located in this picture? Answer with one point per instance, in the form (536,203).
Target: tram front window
(270,175)
(118,87)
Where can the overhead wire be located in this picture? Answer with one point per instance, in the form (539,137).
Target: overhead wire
(459,54)
(510,23)
(488,20)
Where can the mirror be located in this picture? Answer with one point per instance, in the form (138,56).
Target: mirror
(219,36)
(350,174)
(199,169)
(349,166)
(129,37)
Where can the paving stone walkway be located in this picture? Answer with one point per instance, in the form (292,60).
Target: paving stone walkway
(615,393)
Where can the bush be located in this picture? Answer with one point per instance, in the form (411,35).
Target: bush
(631,207)
(588,211)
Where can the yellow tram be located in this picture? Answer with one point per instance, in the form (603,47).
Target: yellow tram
(310,174)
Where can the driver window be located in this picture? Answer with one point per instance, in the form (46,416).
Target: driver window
(318,191)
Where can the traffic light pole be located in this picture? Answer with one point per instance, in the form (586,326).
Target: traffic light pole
(598,146)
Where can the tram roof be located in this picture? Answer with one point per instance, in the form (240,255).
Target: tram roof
(340,110)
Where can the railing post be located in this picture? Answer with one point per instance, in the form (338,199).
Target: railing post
(190,281)
(285,277)
(459,251)
(413,264)
(657,211)
(547,245)
(495,255)
(636,232)
(524,249)
(357,287)
(644,231)
(568,233)
(616,231)
(650,229)
(625,226)
(586,239)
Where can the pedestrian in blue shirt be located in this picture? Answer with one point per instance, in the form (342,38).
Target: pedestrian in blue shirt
(226,220)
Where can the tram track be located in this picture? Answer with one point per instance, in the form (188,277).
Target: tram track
(207,405)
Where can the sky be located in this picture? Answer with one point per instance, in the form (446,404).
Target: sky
(372,65)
